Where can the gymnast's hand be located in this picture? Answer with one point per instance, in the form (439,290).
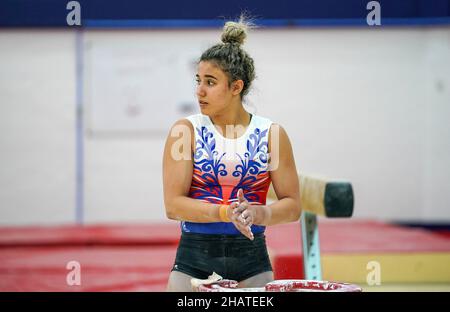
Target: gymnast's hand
(248,214)
(241,216)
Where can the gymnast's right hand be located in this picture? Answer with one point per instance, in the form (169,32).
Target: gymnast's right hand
(236,216)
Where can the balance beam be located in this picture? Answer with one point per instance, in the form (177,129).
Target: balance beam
(319,196)
(331,198)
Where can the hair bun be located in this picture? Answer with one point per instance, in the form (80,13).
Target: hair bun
(234,32)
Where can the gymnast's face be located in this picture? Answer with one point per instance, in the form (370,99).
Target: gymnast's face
(213,91)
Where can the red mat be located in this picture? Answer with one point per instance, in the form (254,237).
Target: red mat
(347,236)
(111,234)
(354,236)
(102,268)
(139,257)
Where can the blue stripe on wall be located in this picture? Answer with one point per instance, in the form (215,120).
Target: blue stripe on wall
(52,13)
(261,23)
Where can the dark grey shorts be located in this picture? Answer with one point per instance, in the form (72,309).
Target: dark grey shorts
(233,257)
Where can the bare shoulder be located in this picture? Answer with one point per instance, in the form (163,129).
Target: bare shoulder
(278,135)
(182,122)
(277,127)
(181,126)
(181,129)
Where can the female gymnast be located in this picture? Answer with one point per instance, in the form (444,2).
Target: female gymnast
(217,174)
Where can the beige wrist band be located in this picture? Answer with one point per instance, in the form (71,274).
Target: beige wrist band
(223,213)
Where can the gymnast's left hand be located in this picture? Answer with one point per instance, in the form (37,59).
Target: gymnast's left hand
(248,214)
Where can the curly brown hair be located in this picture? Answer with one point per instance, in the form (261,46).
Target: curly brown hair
(230,57)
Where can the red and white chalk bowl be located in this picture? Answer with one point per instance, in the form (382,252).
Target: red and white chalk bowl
(282,286)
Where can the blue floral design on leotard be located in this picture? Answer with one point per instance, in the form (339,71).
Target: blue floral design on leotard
(252,166)
(207,168)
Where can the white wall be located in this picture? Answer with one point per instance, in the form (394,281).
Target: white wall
(371,106)
(37,119)
(368,105)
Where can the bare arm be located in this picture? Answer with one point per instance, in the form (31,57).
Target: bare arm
(285,183)
(177,178)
